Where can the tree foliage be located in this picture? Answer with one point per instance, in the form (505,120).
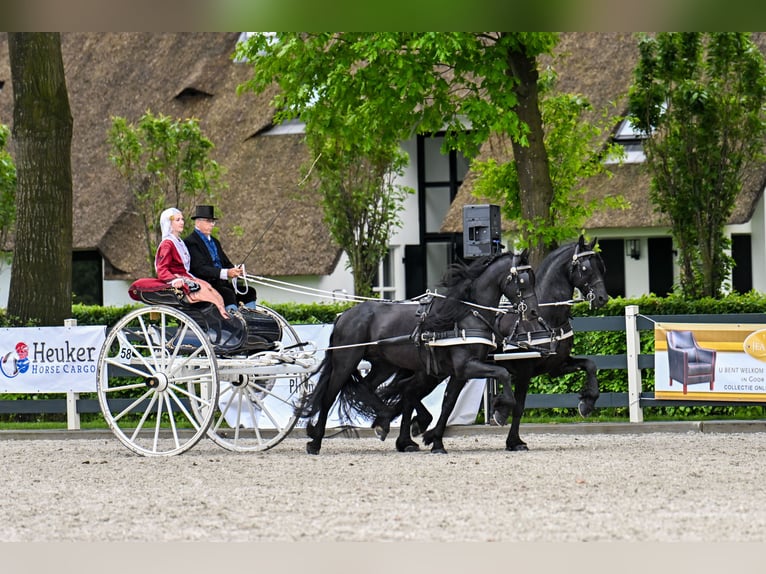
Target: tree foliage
(41,277)
(353,141)
(576,152)
(377,89)
(164,162)
(698,98)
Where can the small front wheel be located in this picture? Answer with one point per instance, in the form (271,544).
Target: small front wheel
(259,396)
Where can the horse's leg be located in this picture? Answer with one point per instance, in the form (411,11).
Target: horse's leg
(472,369)
(502,405)
(422,420)
(379,373)
(335,373)
(404,442)
(521,385)
(435,436)
(419,386)
(590,392)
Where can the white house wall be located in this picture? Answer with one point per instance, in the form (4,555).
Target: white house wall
(758,246)
(637,272)
(409,233)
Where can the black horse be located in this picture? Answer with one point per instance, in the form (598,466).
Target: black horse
(445,335)
(550,335)
(571,266)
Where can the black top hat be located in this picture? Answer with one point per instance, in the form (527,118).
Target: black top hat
(204,212)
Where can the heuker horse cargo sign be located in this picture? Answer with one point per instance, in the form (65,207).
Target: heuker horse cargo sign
(710,361)
(49,359)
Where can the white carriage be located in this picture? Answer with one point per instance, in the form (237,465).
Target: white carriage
(171,373)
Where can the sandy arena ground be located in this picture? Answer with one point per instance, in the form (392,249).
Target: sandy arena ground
(644,487)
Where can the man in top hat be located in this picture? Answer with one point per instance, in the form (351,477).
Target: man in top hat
(210,262)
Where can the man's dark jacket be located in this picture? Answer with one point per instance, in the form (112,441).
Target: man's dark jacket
(202,266)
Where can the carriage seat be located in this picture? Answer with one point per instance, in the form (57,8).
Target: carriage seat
(247,330)
(155,292)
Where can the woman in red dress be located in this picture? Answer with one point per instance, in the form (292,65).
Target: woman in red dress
(172,263)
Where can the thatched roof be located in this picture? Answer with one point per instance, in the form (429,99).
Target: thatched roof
(184,75)
(600,66)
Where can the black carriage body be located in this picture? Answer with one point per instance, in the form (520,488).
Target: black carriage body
(246,331)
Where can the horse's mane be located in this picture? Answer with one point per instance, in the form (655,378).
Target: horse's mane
(457,281)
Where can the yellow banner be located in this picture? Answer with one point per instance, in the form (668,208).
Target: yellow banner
(710,362)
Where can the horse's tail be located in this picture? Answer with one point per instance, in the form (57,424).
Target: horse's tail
(358,397)
(313,402)
(391,393)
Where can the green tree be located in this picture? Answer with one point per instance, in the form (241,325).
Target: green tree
(378,88)
(576,152)
(41,277)
(698,98)
(7,193)
(165,163)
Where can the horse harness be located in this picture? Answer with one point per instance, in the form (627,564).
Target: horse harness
(543,341)
(489,335)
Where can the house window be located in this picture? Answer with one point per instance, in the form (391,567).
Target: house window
(385,280)
(87,278)
(631,141)
(661,265)
(612,253)
(742,274)
(439,177)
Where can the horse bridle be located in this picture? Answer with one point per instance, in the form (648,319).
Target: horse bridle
(514,275)
(587,288)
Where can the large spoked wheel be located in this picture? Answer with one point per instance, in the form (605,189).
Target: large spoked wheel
(256,406)
(157,381)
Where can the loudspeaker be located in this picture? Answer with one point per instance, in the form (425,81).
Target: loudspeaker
(481,230)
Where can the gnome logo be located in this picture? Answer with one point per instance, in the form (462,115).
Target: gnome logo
(16,361)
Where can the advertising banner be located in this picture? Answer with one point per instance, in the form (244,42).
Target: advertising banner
(50,359)
(705,361)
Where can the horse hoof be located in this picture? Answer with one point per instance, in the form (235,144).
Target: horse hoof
(499,419)
(438,451)
(408,447)
(381,433)
(584,408)
(311,449)
(517,447)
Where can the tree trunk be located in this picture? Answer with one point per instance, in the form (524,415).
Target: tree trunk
(41,277)
(531,160)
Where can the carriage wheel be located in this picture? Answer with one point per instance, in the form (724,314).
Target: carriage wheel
(256,413)
(157,381)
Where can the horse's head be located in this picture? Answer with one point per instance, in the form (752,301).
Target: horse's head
(519,286)
(587,273)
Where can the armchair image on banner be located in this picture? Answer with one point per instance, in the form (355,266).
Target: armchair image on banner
(708,361)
